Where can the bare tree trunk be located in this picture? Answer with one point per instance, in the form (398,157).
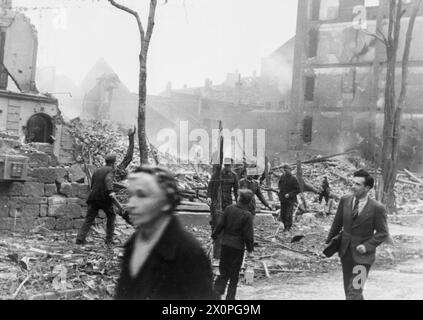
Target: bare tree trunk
(393,107)
(145,38)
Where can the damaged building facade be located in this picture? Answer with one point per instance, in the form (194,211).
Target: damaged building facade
(39,183)
(339,76)
(24,112)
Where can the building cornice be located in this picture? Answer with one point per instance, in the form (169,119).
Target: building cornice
(27,97)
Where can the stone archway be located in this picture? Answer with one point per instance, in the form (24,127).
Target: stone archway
(39,128)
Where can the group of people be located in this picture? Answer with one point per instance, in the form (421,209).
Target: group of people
(163,261)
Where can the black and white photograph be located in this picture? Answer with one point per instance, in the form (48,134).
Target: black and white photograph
(211,155)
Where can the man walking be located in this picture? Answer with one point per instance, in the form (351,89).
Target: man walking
(288,190)
(364,224)
(100,197)
(251,184)
(238,234)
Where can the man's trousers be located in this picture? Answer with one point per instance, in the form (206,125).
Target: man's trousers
(355,276)
(92,212)
(287,211)
(229,268)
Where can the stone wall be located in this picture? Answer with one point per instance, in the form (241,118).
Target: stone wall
(50,198)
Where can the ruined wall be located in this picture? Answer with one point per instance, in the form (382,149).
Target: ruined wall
(340,82)
(50,198)
(20,52)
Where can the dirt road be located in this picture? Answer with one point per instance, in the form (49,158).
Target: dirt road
(404,281)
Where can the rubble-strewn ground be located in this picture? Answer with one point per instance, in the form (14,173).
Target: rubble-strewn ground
(48,265)
(55,268)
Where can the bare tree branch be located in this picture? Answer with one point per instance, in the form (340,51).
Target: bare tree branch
(374,36)
(150,26)
(406,54)
(132,12)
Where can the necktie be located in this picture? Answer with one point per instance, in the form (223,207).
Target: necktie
(355,210)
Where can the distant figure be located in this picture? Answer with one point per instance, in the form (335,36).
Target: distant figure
(238,234)
(249,183)
(161,261)
(288,190)
(101,197)
(363,222)
(325,191)
(228,180)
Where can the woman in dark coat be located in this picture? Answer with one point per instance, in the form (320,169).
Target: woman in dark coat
(161,260)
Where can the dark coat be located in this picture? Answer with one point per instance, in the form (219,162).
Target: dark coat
(101,186)
(369,229)
(229,182)
(254,186)
(177,269)
(237,227)
(288,184)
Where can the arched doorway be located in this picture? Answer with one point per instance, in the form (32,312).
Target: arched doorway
(39,129)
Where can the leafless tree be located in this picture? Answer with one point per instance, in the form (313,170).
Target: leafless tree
(393,105)
(145,37)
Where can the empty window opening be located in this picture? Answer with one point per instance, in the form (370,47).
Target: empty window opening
(309,88)
(39,129)
(329,10)
(307,129)
(313,43)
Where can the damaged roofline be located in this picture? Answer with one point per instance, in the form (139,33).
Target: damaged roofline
(27,96)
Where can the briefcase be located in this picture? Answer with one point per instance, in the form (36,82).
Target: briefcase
(333,245)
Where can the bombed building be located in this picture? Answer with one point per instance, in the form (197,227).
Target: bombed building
(339,76)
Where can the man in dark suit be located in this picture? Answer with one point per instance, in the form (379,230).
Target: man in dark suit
(237,228)
(101,197)
(364,227)
(288,190)
(161,260)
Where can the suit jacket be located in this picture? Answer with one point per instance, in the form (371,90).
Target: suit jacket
(176,269)
(237,227)
(370,229)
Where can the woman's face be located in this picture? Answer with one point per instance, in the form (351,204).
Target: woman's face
(147,200)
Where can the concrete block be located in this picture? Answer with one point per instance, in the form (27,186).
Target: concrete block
(50,189)
(77,223)
(63,224)
(49,175)
(53,161)
(57,200)
(76,173)
(30,200)
(67,211)
(38,159)
(84,191)
(66,189)
(76,201)
(31,210)
(34,189)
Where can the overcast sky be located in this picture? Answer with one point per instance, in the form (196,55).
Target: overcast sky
(192,39)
